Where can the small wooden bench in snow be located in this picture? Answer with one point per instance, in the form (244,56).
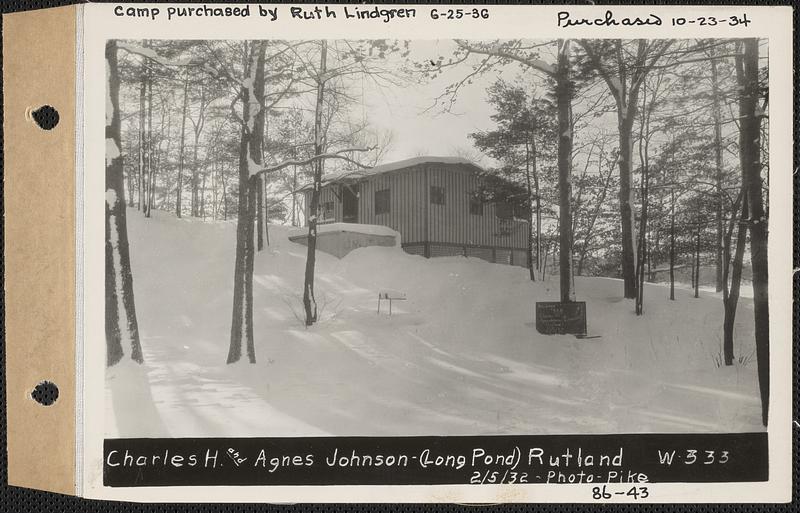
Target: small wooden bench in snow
(390,295)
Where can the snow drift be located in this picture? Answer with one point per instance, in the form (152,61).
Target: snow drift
(460,356)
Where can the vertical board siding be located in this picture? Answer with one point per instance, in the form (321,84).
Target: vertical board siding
(404,203)
(450,223)
(329,194)
(326,194)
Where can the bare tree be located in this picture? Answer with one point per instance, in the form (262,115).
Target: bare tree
(718,164)
(624,70)
(142,136)
(606,163)
(148,179)
(122,328)
(750,115)
(732,273)
(179,186)
(198,124)
(564,92)
(250,155)
(647,131)
(309,301)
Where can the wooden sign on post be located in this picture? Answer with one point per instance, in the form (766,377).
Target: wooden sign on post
(557,318)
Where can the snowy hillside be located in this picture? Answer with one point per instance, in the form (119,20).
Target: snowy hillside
(460,356)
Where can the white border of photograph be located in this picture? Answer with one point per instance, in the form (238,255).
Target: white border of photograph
(539,22)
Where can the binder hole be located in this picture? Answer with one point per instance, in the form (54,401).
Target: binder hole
(45,393)
(46,117)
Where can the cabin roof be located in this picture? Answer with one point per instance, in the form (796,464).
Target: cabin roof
(402,164)
(357,174)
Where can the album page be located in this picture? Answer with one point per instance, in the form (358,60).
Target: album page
(475,254)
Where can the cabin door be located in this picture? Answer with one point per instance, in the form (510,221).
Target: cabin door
(350,203)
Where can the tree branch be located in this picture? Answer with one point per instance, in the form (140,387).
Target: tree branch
(537,64)
(593,57)
(323,156)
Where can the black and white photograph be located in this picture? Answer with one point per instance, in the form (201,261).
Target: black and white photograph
(436,237)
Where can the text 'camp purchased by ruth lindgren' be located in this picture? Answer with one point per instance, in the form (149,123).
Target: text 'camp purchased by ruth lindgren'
(303,13)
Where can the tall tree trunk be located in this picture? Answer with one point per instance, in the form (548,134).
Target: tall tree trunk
(224,193)
(140,177)
(266,211)
(750,156)
(538,220)
(625,119)
(642,254)
(672,246)
(250,155)
(530,160)
(718,176)
(149,143)
(642,257)
(179,187)
(129,177)
(168,138)
(195,164)
(544,260)
(239,320)
(309,301)
(249,261)
(214,191)
(203,196)
(693,262)
(563,104)
(195,179)
(260,212)
(697,264)
(731,297)
(294,196)
(122,328)
(652,260)
(155,157)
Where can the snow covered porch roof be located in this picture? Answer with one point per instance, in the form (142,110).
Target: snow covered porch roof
(339,239)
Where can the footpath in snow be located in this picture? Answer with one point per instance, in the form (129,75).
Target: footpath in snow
(460,356)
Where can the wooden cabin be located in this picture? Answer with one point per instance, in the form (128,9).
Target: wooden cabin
(431,202)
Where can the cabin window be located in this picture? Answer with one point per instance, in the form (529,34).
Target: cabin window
(504,210)
(382,201)
(327,210)
(437,195)
(475,206)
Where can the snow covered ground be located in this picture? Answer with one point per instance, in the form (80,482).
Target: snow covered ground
(460,356)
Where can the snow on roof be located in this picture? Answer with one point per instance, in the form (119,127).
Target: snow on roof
(400,164)
(392,166)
